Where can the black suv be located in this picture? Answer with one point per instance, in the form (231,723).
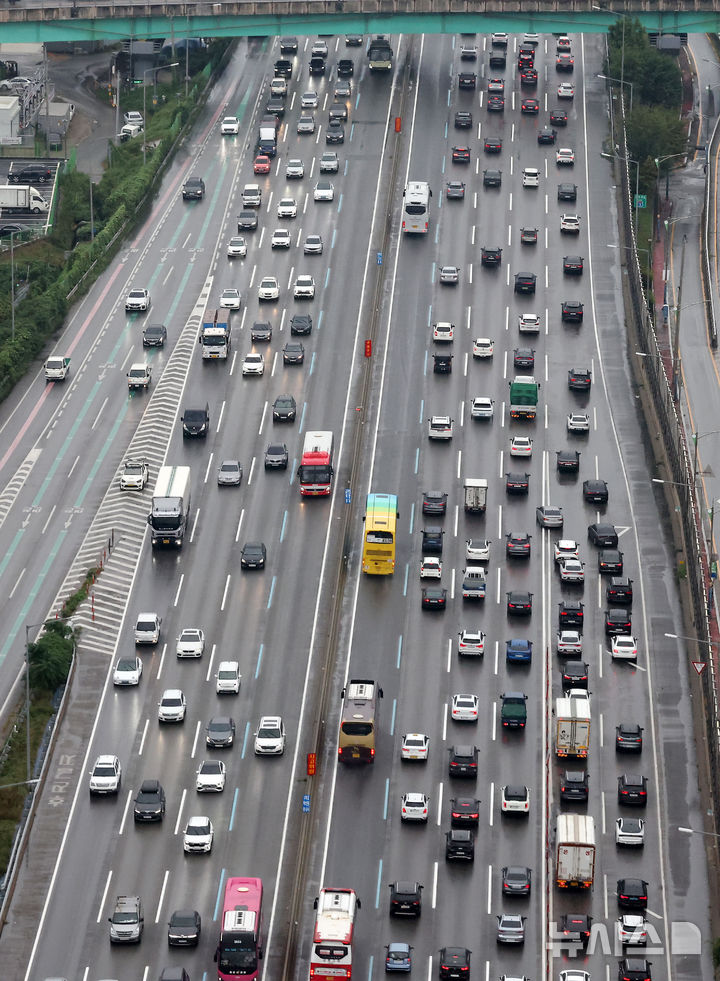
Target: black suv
(196,422)
(463,761)
(525,282)
(632,789)
(464,812)
(628,737)
(434,502)
(405,899)
(558,117)
(150,802)
(301,323)
(571,614)
(454,963)
(463,120)
(567,192)
(432,540)
(634,969)
(442,364)
(547,136)
(632,893)
(154,335)
(574,674)
(619,591)
(571,311)
(617,622)
(610,562)
(193,189)
(459,845)
(517,545)
(467,80)
(491,256)
(492,178)
(574,786)
(31,174)
(284,409)
(573,265)
(283,68)
(579,379)
(603,535)
(573,928)
(595,491)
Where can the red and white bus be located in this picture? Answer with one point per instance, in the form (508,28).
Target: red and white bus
(331,956)
(240,946)
(315,472)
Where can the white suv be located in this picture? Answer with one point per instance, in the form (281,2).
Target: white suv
(172,706)
(270,736)
(106,775)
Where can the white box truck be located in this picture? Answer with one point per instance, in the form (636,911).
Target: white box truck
(21,197)
(572,727)
(170,510)
(475,494)
(575,851)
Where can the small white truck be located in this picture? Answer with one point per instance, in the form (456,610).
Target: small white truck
(139,376)
(57,368)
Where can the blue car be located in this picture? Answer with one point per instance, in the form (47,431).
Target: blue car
(398,957)
(518,651)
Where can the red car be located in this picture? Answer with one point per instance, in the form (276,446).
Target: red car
(262,164)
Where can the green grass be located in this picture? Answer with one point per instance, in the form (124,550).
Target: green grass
(14,770)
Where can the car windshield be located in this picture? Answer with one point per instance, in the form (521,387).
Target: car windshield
(104,771)
(127,664)
(269,732)
(197,829)
(172,702)
(194,415)
(211,767)
(145,625)
(148,797)
(133,468)
(183,920)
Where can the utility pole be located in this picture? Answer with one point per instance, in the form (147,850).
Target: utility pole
(676,337)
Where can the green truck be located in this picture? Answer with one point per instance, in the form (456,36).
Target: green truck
(513,710)
(523,397)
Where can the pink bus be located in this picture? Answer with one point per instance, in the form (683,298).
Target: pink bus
(240,946)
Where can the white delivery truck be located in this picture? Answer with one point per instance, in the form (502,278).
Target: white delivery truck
(572,727)
(475,494)
(575,851)
(21,197)
(57,368)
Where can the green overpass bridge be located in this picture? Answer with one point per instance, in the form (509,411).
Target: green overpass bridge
(78,20)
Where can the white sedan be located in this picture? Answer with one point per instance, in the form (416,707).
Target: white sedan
(578,422)
(521,446)
(572,570)
(230,299)
(309,100)
(237,246)
(324,191)
(304,288)
(230,126)
(269,288)
(128,671)
(210,777)
(430,567)
(414,807)
(443,332)
(254,364)
(565,548)
(624,648)
(529,323)
(565,156)
(280,239)
(287,208)
(199,835)
(465,708)
(190,643)
(483,347)
(566,90)
(415,746)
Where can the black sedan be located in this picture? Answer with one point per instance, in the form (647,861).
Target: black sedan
(220,731)
(492,145)
(150,802)
(610,562)
(574,674)
(603,535)
(517,483)
(253,555)
(595,491)
(519,604)
(434,598)
(184,928)
(568,461)
(632,893)
(546,136)
(284,409)
(524,357)
(464,811)
(293,353)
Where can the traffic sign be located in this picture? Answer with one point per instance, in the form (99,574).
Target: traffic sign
(379,258)
(641,200)
(306,803)
(699,666)
(311,764)
(348,495)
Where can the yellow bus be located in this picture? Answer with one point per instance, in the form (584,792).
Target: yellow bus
(381,514)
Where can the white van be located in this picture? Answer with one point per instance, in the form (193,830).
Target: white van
(227,680)
(130,131)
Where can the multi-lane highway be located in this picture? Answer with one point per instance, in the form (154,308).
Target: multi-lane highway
(274,622)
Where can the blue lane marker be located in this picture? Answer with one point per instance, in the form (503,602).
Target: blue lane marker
(245,739)
(399,653)
(219,893)
(387,797)
(379,880)
(259,661)
(393,717)
(232,812)
(272,590)
(284,522)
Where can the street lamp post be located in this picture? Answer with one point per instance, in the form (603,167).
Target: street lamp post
(659,160)
(620,81)
(676,362)
(147,71)
(696,437)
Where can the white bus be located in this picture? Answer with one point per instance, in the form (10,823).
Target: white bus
(416,207)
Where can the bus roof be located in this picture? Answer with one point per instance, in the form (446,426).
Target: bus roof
(242,905)
(381,510)
(335,915)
